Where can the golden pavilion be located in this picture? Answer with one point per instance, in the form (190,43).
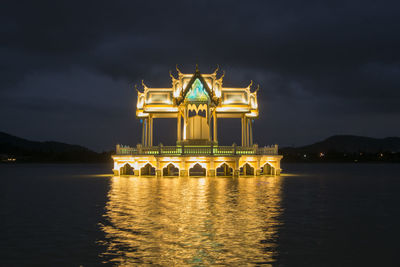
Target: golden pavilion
(197,101)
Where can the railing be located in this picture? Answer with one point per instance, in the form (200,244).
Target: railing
(197,150)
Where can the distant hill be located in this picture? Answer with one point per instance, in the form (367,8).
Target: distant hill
(32,151)
(346,148)
(352,143)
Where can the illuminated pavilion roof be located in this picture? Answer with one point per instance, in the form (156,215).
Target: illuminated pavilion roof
(201,88)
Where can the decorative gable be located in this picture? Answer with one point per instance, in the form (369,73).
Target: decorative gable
(197,92)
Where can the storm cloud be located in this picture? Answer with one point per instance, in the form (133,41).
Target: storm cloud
(68,67)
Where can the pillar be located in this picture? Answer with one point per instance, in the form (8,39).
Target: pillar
(246,132)
(211,168)
(278,167)
(257,171)
(179,127)
(209,124)
(246,121)
(143,132)
(183,168)
(250,132)
(158,169)
(184,125)
(215,126)
(150,131)
(243,132)
(236,169)
(147,132)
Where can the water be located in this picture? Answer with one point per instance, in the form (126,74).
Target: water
(313,215)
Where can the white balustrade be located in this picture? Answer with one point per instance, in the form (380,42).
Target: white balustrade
(197,150)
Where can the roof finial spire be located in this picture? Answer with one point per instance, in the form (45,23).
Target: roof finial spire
(197,68)
(222,76)
(217,69)
(251,83)
(144,86)
(170,74)
(179,72)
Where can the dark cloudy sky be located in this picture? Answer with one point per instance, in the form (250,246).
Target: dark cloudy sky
(67,68)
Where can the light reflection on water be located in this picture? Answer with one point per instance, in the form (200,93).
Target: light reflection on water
(192,221)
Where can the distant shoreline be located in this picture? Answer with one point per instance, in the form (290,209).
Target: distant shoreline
(335,149)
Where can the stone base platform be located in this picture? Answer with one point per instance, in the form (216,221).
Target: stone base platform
(162,165)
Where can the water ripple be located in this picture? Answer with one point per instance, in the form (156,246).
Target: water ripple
(186,221)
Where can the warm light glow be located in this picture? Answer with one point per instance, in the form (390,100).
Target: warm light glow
(161,109)
(140,102)
(196,143)
(232,109)
(141,114)
(175,227)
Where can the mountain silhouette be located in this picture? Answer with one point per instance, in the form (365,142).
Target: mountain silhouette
(32,151)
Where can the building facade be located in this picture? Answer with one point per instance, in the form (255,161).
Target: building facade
(197,101)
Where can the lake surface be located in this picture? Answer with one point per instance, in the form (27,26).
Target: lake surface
(312,215)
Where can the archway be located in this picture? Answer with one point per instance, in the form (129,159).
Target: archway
(170,170)
(267,169)
(127,169)
(246,169)
(224,170)
(148,170)
(197,170)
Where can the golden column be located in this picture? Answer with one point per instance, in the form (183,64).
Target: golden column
(245,131)
(143,131)
(185,124)
(215,125)
(178,126)
(251,132)
(242,121)
(150,131)
(147,131)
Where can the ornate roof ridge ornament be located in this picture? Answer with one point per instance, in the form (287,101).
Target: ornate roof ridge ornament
(172,76)
(249,86)
(178,70)
(136,88)
(222,76)
(144,86)
(215,71)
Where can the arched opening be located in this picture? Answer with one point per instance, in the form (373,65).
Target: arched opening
(224,170)
(148,170)
(170,170)
(267,169)
(246,170)
(127,169)
(197,170)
